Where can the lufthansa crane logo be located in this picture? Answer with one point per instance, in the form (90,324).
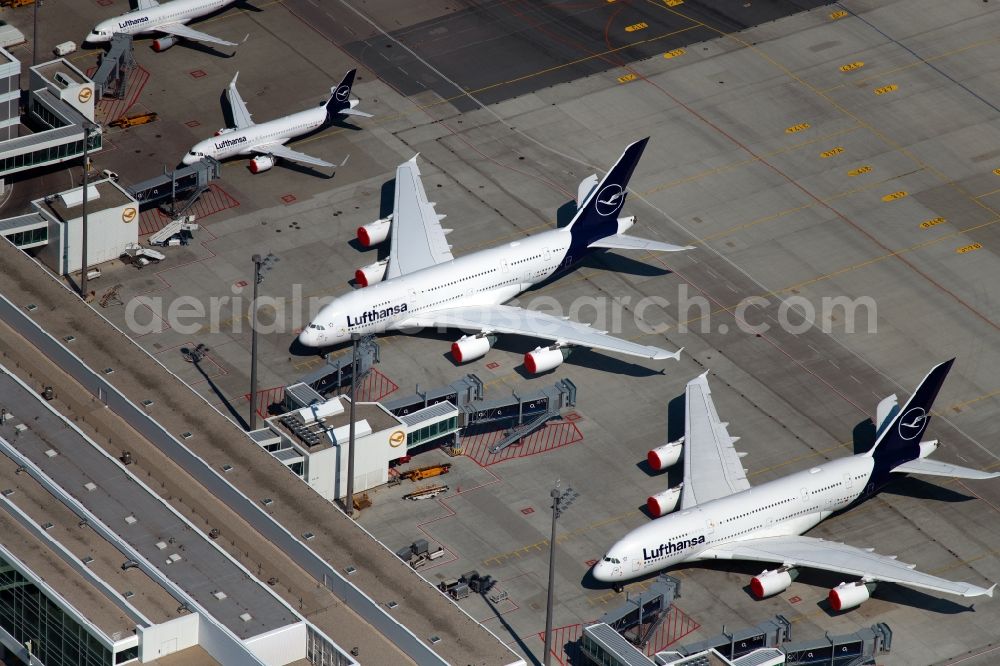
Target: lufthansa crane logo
(397,438)
(128,215)
(342,93)
(84,95)
(912,423)
(609,199)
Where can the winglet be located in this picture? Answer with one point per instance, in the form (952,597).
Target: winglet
(989,592)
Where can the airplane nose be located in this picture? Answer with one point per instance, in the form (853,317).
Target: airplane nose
(601,572)
(189,159)
(309,338)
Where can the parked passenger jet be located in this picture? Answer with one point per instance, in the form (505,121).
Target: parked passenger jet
(169,18)
(266,140)
(722,518)
(426,287)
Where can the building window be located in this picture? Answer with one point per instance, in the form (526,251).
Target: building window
(127,655)
(56,638)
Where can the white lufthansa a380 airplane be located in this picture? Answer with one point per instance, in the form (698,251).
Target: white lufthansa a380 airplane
(266,140)
(169,18)
(426,287)
(722,518)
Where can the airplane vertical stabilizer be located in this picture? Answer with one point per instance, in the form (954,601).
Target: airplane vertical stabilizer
(899,441)
(597,216)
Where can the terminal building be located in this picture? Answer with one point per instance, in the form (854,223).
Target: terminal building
(95,569)
(54,229)
(60,106)
(311,438)
(194,546)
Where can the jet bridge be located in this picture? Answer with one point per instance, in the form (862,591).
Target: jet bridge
(111,77)
(185,184)
(861,647)
(336,373)
(641,615)
(523,413)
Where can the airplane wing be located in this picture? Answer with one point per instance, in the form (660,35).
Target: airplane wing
(146,4)
(712,467)
(832,556)
(241,114)
(418,241)
(180,30)
(518,321)
(286,153)
(624,242)
(938,468)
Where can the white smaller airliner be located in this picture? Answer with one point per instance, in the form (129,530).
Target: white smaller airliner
(169,18)
(421,285)
(266,140)
(722,518)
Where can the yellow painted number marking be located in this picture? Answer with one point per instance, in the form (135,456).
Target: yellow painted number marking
(838,15)
(673,3)
(886,89)
(797,128)
(894,196)
(850,67)
(833,151)
(675,53)
(969,248)
(927,224)
(859,171)
(996,171)
(636,26)
(627,78)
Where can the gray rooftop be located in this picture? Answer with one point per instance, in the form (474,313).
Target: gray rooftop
(616,645)
(428,413)
(110,492)
(21,221)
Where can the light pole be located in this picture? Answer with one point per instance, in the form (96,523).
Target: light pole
(560,502)
(260,264)
(34,33)
(87,127)
(369,348)
(349,507)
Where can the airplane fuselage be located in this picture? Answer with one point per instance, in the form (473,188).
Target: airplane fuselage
(231,143)
(148,20)
(789,506)
(487,277)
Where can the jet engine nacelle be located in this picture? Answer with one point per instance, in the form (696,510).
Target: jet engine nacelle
(374,233)
(665,456)
(770,582)
(663,503)
(543,359)
(371,274)
(470,347)
(625,223)
(164,43)
(850,595)
(261,163)
(927,448)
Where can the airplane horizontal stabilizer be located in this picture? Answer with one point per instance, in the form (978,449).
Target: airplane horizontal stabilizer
(623,242)
(354,112)
(938,468)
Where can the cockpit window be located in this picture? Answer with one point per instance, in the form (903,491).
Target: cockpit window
(612,560)
(317,327)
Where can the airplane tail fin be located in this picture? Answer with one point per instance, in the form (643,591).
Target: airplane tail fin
(898,441)
(340,97)
(597,216)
